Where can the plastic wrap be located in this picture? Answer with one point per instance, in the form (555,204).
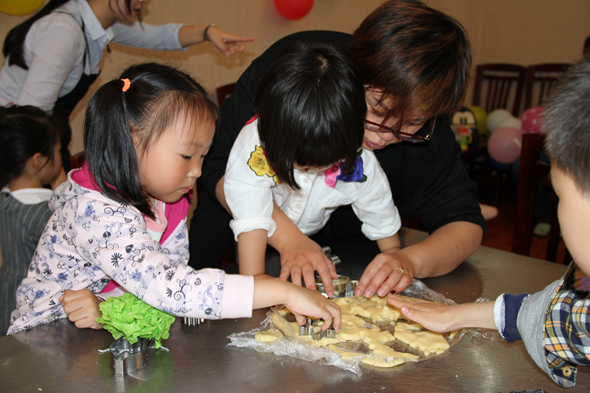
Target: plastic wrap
(290,345)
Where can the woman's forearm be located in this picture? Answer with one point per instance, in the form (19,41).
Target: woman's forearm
(445,249)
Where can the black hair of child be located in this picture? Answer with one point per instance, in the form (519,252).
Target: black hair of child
(566,122)
(24,132)
(117,120)
(311,107)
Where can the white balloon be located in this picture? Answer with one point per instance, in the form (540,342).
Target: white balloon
(496,117)
(511,122)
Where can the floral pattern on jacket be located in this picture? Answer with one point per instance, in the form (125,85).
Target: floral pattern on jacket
(90,239)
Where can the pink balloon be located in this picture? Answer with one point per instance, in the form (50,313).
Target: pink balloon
(294,9)
(504,145)
(531,120)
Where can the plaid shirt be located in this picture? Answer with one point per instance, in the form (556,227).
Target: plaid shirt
(567,330)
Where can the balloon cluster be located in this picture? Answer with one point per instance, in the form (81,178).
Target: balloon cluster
(506,133)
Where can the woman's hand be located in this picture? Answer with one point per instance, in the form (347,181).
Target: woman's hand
(387,272)
(226,43)
(82,308)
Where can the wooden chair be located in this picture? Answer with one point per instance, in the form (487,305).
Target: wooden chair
(225,91)
(531,171)
(499,86)
(540,79)
(77,160)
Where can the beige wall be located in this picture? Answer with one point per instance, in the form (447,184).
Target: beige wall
(522,32)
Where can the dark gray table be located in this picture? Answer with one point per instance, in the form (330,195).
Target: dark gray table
(61,358)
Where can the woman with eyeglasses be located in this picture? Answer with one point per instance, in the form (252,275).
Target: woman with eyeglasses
(414,62)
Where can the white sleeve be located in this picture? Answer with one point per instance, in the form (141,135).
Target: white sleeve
(164,37)
(115,240)
(53,52)
(248,194)
(374,206)
(499,313)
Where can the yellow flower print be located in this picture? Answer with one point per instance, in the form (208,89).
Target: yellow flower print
(259,165)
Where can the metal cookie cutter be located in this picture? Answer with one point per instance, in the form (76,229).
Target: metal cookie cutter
(316,334)
(340,286)
(127,358)
(335,260)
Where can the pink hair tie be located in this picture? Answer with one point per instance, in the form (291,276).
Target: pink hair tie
(126,84)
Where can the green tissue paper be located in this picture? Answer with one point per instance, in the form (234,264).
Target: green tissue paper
(130,318)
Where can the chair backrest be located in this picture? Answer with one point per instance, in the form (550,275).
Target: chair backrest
(77,160)
(225,91)
(531,171)
(540,79)
(499,86)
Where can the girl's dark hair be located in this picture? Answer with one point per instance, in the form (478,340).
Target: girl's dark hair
(13,43)
(24,132)
(417,56)
(158,96)
(311,106)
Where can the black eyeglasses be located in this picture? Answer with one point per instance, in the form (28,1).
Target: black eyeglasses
(402,136)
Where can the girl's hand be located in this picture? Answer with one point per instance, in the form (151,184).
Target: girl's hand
(226,43)
(82,308)
(301,258)
(305,303)
(387,272)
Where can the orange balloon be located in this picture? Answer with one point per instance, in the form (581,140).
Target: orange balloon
(19,7)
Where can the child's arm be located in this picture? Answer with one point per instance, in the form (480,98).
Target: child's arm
(442,318)
(302,302)
(82,308)
(251,252)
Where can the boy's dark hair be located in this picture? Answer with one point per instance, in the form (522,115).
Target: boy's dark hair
(24,132)
(158,96)
(311,106)
(418,56)
(566,121)
(13,43)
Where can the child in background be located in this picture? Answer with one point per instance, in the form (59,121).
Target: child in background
(302,153)
(554,323)
(29,147)
(122,216)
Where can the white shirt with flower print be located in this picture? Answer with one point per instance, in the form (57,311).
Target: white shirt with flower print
(251,187)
